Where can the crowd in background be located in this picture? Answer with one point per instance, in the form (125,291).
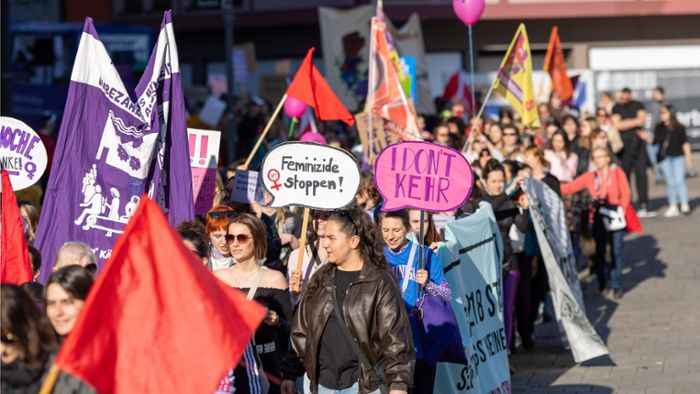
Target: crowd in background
(345,321)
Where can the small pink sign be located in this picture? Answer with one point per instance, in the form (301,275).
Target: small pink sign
(422,175)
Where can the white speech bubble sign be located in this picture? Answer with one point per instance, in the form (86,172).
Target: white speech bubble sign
(22,154)
(310,175)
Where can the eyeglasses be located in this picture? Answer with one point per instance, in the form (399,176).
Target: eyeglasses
(7,337)
(221,214)
(510,134)
(241,238)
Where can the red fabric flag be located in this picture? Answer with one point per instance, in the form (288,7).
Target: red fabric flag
(156,320)
(457,89)
(15,266)
(555,65)
(309,87)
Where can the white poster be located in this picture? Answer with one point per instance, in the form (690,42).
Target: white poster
(345,40)
(547,213)
(22,154)
(471,259)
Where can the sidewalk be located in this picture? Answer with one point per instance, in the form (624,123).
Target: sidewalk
(653,333)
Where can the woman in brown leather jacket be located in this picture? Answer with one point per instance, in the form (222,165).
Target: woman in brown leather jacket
(371,308)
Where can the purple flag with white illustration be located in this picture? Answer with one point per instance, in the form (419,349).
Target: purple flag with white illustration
(115,145)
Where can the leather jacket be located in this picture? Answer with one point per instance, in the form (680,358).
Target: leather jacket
(375,315)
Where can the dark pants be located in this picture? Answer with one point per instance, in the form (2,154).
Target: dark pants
(423,378)
(523,301)
(603,238)
(635,160)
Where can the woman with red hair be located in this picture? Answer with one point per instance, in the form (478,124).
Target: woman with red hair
(216,223)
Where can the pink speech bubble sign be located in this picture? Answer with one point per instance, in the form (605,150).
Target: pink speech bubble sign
(422,175)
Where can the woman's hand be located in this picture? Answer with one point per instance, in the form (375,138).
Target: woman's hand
(523,201)
(271,318)
(422,277)
(288,387)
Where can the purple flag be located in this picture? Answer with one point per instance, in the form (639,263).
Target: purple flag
(115,145)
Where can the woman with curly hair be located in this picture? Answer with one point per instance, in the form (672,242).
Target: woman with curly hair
(351,330)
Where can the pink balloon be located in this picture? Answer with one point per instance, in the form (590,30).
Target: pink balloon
(310,136)
(468,11)
(294,108)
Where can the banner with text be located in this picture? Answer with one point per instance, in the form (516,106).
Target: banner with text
(422,175)
(310,175)
(547,212)
(204,158)
(471,259)
(112,149)
(22,154)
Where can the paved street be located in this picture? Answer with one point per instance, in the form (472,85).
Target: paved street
(653,333)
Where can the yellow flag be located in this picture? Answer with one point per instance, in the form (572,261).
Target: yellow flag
(514,79)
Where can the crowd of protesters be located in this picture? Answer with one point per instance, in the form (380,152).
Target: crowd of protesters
(345,321)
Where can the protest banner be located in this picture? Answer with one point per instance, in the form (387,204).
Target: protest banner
(471,259)
(345,44)
(112,149)
(246,187)
(548,219)
(422,175)
(310,175)
(22,154)
(204,159)
(212,111)
(381,137)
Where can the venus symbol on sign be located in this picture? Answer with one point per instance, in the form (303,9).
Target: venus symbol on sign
(274,175)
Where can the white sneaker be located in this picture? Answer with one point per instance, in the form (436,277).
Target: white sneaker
(672,211)
(685,209)
(644,214)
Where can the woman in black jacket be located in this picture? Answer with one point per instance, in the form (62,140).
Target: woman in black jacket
(355,296)
(507,214)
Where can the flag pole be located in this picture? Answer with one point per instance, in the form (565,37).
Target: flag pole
(50,381)
(265,130)
(471,69)
(302,247)
(478,115)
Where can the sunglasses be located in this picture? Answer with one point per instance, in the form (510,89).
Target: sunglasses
(7,337)
(241,238)
(221,214)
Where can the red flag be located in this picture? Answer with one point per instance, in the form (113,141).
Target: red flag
(156,320)
(555,64)
(15,266)
(457,89)
(309,87)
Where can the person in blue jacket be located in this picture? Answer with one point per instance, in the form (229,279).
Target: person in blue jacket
(402,256)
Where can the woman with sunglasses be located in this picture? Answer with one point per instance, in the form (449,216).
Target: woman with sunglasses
(216,223)
(27,341)
(403,257)
(315,256)
(351,329)
(247,243)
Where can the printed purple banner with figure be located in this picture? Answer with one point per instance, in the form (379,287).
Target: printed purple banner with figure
(422,175)
(115,145)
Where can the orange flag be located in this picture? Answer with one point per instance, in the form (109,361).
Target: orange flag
(156,320)
(309,87)
(385,95)
(15,266)
(555,65)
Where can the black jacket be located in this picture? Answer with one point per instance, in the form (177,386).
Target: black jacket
(376,316)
